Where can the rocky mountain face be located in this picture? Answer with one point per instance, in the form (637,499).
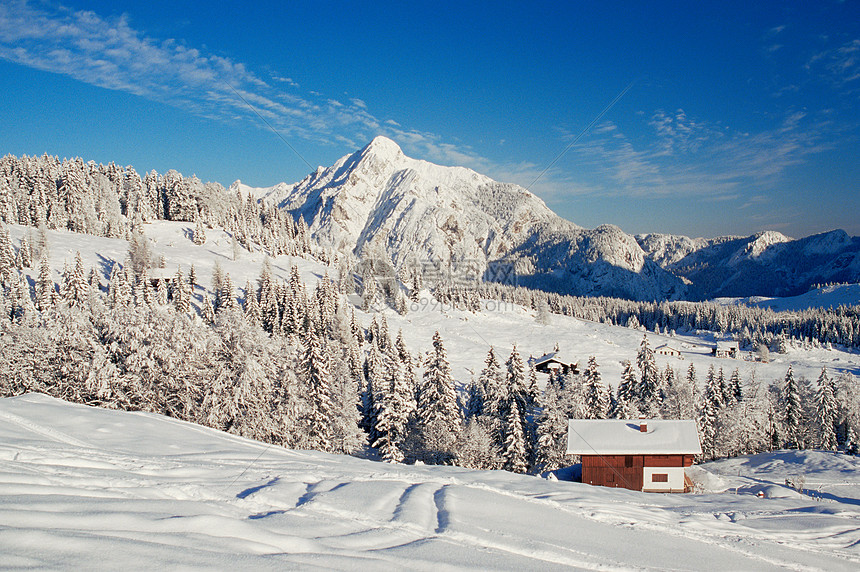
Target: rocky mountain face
(379,202)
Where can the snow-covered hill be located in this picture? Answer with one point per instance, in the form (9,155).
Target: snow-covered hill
(831,296)
(86,488)
(467,335)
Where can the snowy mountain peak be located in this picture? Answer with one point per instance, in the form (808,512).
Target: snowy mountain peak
(379,202)
(382,147)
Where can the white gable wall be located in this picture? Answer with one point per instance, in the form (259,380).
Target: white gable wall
(675,479)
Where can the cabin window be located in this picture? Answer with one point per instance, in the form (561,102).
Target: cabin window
(659,478)
(628,461)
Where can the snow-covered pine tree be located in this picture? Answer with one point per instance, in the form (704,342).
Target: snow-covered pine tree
(826,413)
(516,383)
(227,295)
(713,392)
(315,376)
(199,234)
(514,452)
(181,293)
(438,412)
(44,285)
(269,312)
(792,411)
(647,392)
(625,407)
(708,429)
(7,259)
(251,307)
(735,393)
(161,292)
(596,399)
(217,285)
(207,312)
(76,288)
(552,431)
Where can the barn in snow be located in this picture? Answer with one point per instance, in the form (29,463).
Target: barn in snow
(647,455)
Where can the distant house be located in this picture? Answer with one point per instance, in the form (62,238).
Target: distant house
(553,362)
(726,350)
(667,350)
(647,455)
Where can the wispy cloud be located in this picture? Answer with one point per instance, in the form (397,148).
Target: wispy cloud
(110,53)
(841,64)
(691,157)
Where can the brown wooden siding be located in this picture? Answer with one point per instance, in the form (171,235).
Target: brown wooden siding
(625,471)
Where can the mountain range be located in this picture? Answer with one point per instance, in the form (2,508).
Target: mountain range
(378,199)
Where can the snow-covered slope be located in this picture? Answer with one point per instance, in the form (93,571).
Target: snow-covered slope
(86,488)
(831,296)
(453,216)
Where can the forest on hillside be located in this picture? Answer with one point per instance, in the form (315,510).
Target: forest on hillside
(287,364)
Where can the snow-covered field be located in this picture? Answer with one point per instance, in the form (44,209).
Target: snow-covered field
(85,488)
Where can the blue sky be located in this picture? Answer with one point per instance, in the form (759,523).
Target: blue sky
(739,117)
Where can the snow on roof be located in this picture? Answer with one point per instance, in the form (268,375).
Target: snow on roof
(667,346)
(550,357)
(727,345)
(623,437)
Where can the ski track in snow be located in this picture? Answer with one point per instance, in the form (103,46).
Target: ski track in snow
(75,493)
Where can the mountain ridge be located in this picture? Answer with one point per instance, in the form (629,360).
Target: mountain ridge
(413,210)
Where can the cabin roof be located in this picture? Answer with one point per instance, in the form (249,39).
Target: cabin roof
(727,345)
(623,437)
(552,356)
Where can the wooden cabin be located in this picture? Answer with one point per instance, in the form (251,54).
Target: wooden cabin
(648,455)
(553,362)
(726,350)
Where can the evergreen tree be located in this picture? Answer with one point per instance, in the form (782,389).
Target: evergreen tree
(708,429)
(647,392)
(552,431)
(76,288)
(438,412)
(207,312)
(792,411)
(826,412)
(44,285)
(7,259)
(181,293)
(624,401)
(199,234)
(252,308)
(516,384)
(735,390)
(161,292)
(315,375)
(514,453)
(226,297)
(596,399)
(437,399)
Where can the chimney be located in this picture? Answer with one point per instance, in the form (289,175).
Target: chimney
(643,425)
